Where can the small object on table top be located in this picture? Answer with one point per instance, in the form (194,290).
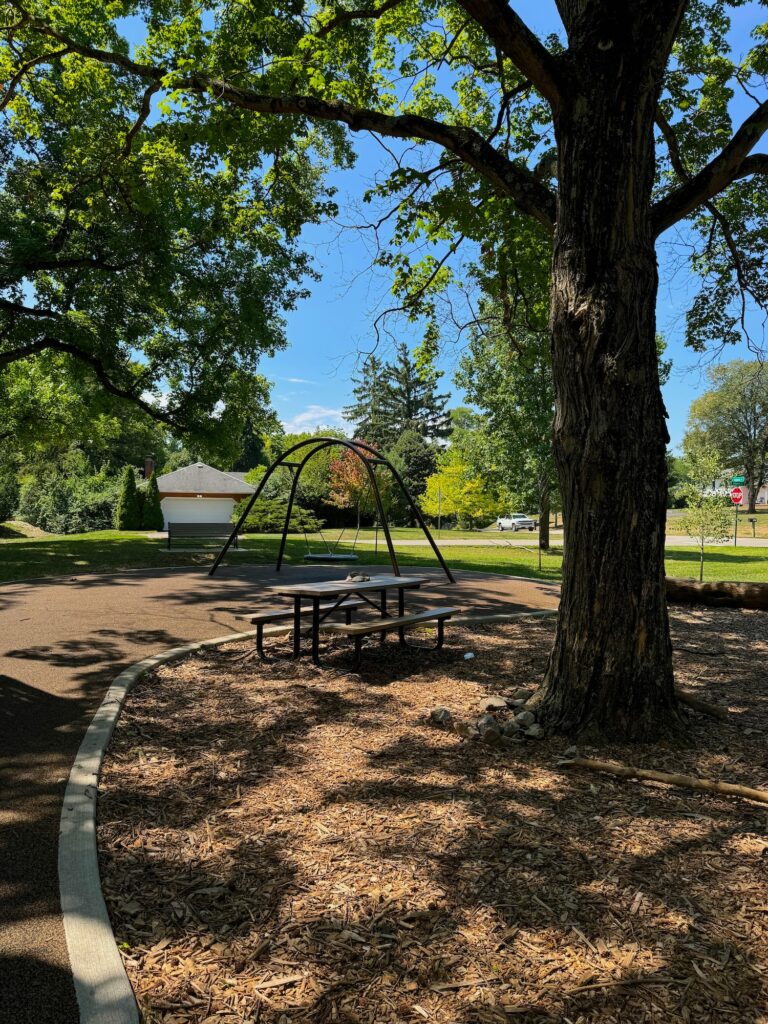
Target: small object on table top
(358,577)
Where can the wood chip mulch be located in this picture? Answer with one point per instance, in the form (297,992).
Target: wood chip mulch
(285,844)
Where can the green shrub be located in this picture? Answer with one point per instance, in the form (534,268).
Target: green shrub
(128,509)
(268,516)
(68,504)
(151,512)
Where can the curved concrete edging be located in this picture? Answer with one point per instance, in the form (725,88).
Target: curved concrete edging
(104,994)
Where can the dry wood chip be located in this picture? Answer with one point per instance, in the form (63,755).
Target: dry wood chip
(293,846)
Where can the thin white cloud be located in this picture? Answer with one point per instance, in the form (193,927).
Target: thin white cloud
(297,380)
(312,417)
(160,400)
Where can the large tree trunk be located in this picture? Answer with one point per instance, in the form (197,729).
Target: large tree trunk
(610,671)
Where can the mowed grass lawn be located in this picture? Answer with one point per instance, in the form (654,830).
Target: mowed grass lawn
(52,555)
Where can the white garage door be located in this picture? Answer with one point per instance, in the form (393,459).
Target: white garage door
(196,510)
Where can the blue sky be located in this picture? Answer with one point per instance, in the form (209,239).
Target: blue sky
(312,377)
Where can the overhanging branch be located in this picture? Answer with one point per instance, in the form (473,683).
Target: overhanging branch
(360,14)
(48,344)
(511,179)
(719,217)
(731,163)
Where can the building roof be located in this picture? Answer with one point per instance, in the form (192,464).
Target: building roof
(202,479)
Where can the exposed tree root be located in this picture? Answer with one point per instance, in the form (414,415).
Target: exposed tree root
(625,771)
(701,705)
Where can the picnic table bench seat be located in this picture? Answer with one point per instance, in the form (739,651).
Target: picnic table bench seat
(359,630)
(271,615)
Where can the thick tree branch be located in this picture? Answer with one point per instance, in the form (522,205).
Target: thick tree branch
(144,112)
(361,14)
(511,179)
(15,271)
(509,33)
(18,309)
(44,58)
(757,163)
(731,163)
(48,344)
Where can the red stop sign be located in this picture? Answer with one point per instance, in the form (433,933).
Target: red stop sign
(736,495)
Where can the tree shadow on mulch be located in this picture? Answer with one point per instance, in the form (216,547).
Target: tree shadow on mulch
(288,844)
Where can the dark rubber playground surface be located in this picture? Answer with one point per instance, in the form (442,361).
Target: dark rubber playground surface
(61,642)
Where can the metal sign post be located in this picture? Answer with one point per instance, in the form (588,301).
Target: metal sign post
(736,496)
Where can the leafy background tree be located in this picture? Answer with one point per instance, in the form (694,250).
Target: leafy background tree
(453,490)
(709,516)
(510,379)
(732,417)
(350,485)
(140,259)
(9,494)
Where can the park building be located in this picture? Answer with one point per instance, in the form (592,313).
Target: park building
(200,494)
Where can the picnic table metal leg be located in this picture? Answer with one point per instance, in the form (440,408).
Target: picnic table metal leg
(440,632)
(260,641)
(297,626)
(316,630)
(383,603)
(401,612)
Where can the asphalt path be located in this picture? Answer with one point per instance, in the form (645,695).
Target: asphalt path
(61,643)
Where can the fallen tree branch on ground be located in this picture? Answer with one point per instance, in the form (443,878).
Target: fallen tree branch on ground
(724,594)
(625,771)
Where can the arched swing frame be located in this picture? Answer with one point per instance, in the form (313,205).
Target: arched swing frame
(295,460)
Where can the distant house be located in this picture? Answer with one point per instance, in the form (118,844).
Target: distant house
(200,494)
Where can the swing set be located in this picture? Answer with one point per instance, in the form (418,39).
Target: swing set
(294,460)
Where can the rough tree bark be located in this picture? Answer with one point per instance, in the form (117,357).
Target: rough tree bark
(610,671)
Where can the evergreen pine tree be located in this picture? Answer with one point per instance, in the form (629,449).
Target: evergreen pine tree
(367,413)
(410,400)
(128,509)
(152,513)
(416,460)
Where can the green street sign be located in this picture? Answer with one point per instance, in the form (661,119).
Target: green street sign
(738,480)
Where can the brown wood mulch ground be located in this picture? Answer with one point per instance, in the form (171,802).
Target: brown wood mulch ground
(284,844)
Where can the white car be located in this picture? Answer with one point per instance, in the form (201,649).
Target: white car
(515,522)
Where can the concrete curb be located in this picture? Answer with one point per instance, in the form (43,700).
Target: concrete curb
(104,994)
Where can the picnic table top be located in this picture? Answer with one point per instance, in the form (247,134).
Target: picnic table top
(337,587)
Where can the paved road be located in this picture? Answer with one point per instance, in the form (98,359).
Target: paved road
(525,540)
(61,642)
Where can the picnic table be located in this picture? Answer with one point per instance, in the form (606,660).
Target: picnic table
(339,591)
